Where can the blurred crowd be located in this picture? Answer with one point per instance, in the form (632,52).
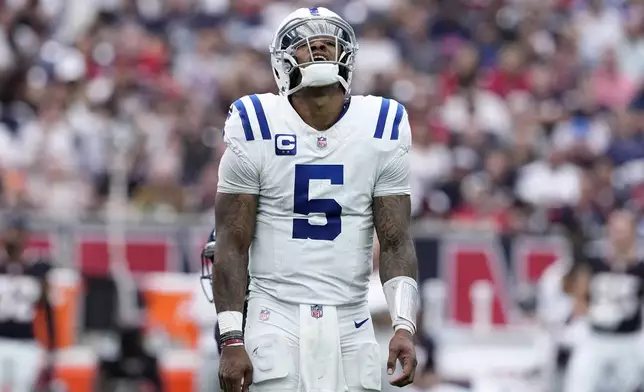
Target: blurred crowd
(523,112)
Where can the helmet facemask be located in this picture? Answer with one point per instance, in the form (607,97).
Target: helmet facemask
(303,34)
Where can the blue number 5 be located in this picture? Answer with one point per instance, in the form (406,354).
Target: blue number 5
(302,229)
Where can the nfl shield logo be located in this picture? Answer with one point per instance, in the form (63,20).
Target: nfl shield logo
(316,311)
(321,142)
(264,314)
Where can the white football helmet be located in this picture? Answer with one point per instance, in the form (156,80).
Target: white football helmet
(300,28)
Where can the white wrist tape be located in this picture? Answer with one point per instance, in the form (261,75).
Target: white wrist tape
(402,297)
(229,321)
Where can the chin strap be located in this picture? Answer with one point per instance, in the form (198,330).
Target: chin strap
(319,75)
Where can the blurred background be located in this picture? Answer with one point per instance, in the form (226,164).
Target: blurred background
(528,126)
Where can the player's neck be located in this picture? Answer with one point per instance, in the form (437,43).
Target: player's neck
(319,107)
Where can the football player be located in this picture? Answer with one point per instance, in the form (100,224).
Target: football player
(555,313)
(306,177)
(610,289)
(23,287)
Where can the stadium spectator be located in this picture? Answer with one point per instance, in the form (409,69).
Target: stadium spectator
(90,91)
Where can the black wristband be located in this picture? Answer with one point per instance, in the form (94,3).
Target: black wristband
(231,335)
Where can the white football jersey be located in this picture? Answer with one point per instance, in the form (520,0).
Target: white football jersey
(313,240)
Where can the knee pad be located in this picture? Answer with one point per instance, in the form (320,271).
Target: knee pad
(270,357)
(370,366)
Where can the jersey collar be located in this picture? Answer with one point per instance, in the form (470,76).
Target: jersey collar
(297,117)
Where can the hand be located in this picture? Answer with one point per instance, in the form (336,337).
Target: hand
(401,348)
(235,369)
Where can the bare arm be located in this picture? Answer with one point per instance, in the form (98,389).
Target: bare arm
(392,217)
(580,290)
(398,265)
(235,223)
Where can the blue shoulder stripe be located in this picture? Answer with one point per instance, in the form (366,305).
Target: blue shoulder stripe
(261,117)
(382,118)
(399,114)
(243,114)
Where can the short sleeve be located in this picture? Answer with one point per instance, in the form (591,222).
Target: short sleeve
(239,165)
(395,175)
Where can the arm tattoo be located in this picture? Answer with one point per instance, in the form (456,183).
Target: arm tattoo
(392,216)
(235,226)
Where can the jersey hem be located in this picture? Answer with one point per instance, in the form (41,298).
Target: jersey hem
(237,191)
(393,192)
(255,293)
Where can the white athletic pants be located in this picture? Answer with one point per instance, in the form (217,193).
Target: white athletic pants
(611,360)
(20,365)
(306,348)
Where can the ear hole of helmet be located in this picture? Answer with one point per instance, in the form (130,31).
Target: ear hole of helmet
(295,77)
